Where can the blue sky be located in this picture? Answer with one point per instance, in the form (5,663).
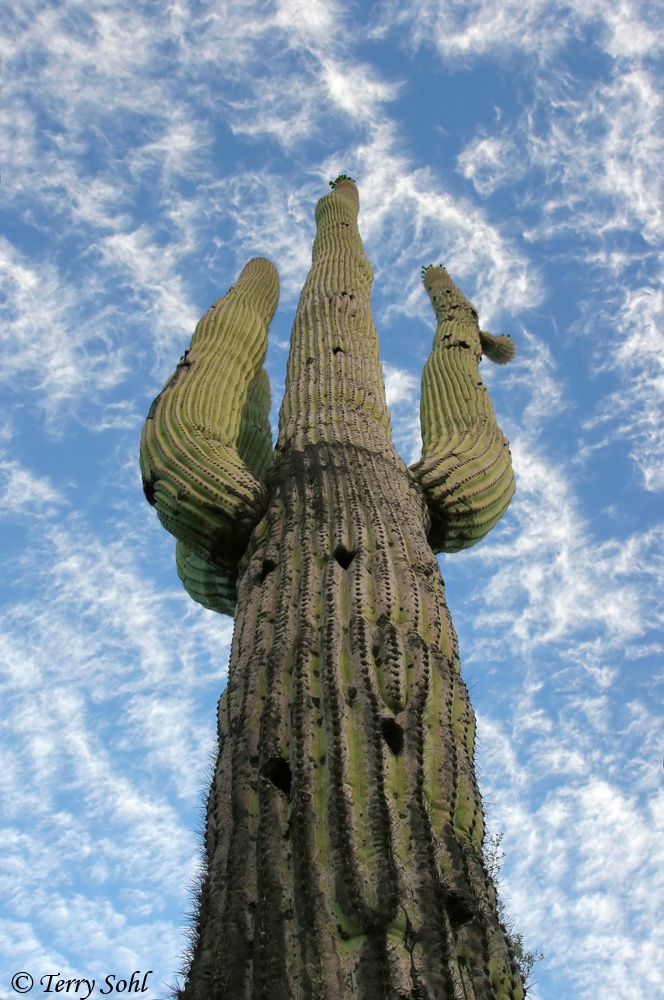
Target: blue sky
(149,151)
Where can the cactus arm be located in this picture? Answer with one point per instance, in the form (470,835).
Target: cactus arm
(193,474)
(466,470)
(500,350)
(213,586)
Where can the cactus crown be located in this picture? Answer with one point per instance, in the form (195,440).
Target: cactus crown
(341,177)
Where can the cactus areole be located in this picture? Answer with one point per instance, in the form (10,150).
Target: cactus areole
(343,842)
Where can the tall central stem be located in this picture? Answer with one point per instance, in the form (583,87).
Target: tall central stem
(334,382)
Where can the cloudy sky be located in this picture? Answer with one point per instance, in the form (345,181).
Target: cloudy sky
(148,151)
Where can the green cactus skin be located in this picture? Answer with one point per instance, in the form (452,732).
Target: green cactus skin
(344,824)
(466,468)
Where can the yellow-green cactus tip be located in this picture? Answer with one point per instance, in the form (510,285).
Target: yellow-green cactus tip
(341,177)
(346,185)
(500,349)
(260,278)
(259,266)
(259,269)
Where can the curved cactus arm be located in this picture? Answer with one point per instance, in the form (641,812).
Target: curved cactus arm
(210,585)
(466,468)
(500,350)
(204,492)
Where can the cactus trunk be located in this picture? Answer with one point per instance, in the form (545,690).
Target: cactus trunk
(343,846)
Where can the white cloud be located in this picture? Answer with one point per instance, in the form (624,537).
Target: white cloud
(402,393)
(412,220)
(463,32)
(356,89)
(599,142)
(21,491)
(536,371)
(94,929)
(400,385)
(150,272)
(110,688)
(314,24)
(603,143)
(635,411)
(577,872)
(490,162)
(599,149)
(272,220)
(554,578)
(54,340)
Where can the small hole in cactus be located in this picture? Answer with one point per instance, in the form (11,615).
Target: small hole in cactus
(338,350)
(343,556)
(267,567)
(458,910)
(393,735)
(277,770)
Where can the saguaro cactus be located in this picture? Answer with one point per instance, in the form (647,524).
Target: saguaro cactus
(344,824)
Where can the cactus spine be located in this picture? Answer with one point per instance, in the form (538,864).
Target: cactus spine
(344,823)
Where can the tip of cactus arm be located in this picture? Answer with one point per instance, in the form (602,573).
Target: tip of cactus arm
(501,350)
(258,266)
(259,279)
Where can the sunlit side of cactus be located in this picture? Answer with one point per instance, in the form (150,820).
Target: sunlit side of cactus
(344,824)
